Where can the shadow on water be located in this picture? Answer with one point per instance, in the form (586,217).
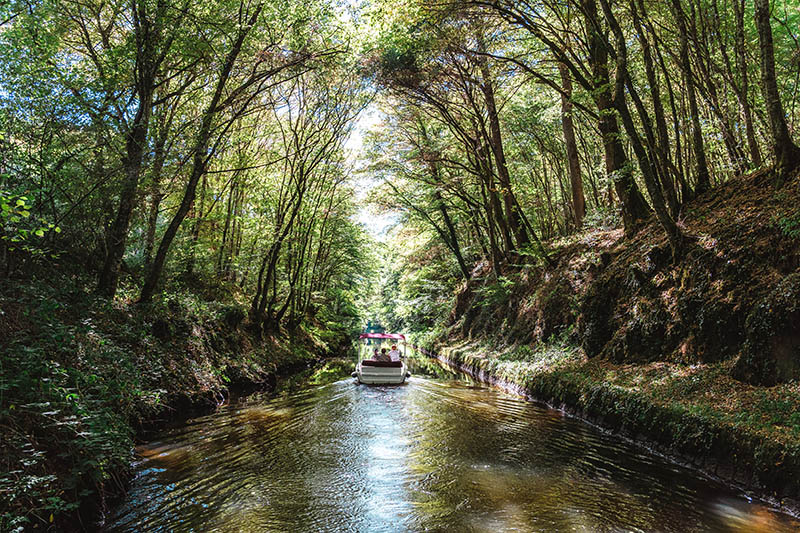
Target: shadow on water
(439,453)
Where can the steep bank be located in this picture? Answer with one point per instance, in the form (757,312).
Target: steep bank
(83,375)
(733,295)
(699,357)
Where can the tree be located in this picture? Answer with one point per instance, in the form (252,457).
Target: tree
(703,180)
(785,151)
(232,97)
(622,79)
(576,183)
(152,48)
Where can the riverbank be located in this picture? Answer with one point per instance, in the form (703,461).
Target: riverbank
(689,413)
(83,376)
(697,355)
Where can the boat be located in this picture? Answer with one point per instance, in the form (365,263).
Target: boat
(371,372)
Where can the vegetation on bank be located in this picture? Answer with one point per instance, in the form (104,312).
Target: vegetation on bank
(177,213)
(697,357)
(733,296)
(83,374)
(749,436)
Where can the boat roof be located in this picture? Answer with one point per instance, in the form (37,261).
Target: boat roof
(395,336)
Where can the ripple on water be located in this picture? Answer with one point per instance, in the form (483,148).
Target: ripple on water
(428,456)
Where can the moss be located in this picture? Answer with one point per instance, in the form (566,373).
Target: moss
(669,416)
(596,309)
(771,352)
(642,336)
(719,325)
(556,307)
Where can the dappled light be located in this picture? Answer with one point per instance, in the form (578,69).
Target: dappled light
(206,205)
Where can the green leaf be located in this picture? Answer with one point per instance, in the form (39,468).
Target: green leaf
(39,232)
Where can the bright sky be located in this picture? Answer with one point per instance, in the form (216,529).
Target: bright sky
(376,224)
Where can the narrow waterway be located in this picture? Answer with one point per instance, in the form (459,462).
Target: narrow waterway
(438,454)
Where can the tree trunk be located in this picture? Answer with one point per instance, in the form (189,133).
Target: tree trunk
(634,207)
(495,209)
(787,154)
(648,175)
(155,197)
(228,233)
(451,231)
(686,191)
(661,147)
(489,210)
(496,142)
(118,235)
(146,34)
(197,220)
(741,65)
(701,165)
(567,126)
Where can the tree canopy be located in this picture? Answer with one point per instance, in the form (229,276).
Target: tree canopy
(163,141)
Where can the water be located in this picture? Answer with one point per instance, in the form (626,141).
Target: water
(437,454)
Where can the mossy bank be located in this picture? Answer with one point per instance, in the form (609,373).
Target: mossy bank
(669,418)
(82,376)
(697,354)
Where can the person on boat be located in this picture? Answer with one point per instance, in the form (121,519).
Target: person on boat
(383,356)
(375,355)
(394,355)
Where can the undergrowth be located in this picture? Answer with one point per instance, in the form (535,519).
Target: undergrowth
(78,373)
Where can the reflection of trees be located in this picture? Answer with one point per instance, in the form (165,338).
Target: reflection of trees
(431,455)
(483,461)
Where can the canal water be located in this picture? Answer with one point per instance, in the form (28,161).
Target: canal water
(440,453)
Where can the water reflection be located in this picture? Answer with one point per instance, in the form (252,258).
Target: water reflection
(432,455)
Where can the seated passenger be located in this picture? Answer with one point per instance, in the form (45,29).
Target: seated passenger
(394,355)
(383,356)
(375,355)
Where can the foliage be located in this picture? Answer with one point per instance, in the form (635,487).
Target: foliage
(496,292)
(18,230)
(208,179)
(410,295)
(790,225)
(66,397)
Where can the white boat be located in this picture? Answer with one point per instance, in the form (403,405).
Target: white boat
(381,372)
(371,372)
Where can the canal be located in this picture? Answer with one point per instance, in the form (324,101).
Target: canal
(440,453)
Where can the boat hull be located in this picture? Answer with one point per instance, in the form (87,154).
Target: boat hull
(379,375)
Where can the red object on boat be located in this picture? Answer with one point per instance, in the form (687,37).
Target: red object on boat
(395,336)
